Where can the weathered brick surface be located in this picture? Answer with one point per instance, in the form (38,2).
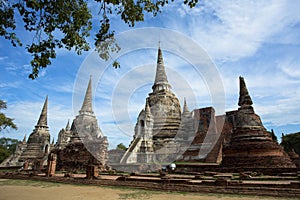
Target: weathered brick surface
(251,145)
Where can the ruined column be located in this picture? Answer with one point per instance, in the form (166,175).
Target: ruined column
(51,165)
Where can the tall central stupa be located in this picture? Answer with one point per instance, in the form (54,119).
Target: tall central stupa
(158,123)
(164,106)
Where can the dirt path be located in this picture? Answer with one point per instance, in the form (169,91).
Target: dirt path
(36,190)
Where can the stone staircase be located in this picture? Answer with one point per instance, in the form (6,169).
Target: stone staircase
(33,151)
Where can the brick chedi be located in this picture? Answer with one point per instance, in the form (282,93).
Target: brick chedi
(35,151)
(251,145)
(158,123)
(83,143)
(164,106)
(38,144)
(204,137)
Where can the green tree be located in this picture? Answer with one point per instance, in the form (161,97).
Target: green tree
(7,147)
(67,24)
(291,142)
(121,146)
(5,121)
(4,153)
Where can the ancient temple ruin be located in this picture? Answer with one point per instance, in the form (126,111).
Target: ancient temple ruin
(250,144)
(163,133)
(235,139)
(157,124)
(206,140)
(35,151)
(83,143)
(77,146)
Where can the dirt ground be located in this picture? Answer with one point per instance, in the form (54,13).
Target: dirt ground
(35,190)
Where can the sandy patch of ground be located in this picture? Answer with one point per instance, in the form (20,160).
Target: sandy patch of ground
(37,190)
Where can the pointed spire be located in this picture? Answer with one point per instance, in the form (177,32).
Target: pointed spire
(160,77)
(24,139)
(68,126)
(73,127)
(147,110)
(43,117)
(244,99)
(185,108)
(87,106)
(52,142)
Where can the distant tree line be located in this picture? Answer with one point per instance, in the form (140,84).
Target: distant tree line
(291,142)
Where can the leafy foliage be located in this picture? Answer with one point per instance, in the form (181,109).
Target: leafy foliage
(4,153)
(67,24)
(121,146)
(291,142)
(7,147)
(5,121)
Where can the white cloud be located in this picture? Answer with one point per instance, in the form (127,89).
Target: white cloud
(278,112)
(61,87)
(3,58)
(290,66)
(14,84)
(231,30)
(16,69)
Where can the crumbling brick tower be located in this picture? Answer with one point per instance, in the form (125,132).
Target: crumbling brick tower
(251,145)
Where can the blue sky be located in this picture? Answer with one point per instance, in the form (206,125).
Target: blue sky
(259,40)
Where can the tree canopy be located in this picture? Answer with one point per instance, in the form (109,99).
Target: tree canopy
(5,121)
(7,147)
(67,24)
(291,142)
(121,146)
